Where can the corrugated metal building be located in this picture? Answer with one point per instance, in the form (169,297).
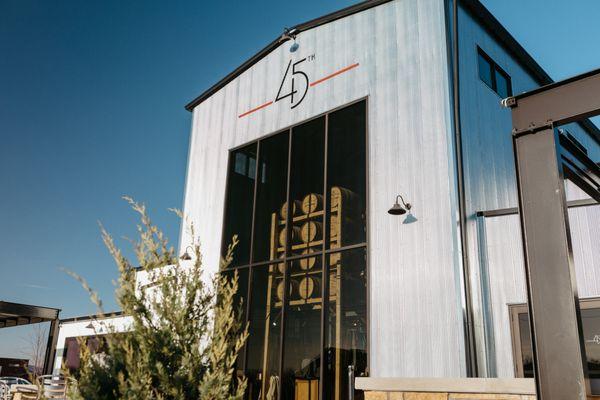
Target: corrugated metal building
(302,150)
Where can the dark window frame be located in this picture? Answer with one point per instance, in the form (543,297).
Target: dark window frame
(515,310)
(495,68)
(251,265)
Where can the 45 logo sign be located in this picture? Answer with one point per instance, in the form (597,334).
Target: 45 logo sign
(297,80)
(295,84)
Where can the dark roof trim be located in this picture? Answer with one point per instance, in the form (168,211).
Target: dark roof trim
(500,33)
(495,28)
(92,317)
(275,43)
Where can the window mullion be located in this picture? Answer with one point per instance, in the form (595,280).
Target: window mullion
(288,220)
(325,267)
(251,269)
(256,169)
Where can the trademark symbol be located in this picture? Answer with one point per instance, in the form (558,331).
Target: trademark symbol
(310,58)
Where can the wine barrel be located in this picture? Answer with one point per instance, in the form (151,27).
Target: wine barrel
(295,235)
(310,287)
(311,203)
(281,267)
(307,263)
(311,231)
(293,291)
(345,196)
(296,207)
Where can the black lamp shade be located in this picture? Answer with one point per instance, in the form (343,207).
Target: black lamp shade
(396,209)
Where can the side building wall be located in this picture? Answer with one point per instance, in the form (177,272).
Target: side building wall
(84,327)
(490,184)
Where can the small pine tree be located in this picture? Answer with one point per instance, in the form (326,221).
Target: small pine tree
(185,334)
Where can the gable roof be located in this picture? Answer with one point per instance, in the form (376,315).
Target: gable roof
(475,7)
(278,41)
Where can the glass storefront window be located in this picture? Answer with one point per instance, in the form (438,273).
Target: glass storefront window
(263,355)
(293,198)
(271,195)
(238,203)
(306,186)
(302,334)
(346,184)
(240,302)
(346,330)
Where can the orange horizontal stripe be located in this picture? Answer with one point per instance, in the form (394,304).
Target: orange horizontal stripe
(341,71)
(255,109)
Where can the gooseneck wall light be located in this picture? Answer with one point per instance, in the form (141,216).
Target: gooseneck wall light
(186,256)
(397,209)
(401,207)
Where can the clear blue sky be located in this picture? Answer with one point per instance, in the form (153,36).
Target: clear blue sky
(91,108)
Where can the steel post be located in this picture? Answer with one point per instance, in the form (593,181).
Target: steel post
(51,346)
(559,356)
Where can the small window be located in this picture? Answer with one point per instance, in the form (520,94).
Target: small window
(502,84)
(485,70)
(492,75)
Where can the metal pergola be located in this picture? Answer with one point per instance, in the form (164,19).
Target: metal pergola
(15,314)
(544,158)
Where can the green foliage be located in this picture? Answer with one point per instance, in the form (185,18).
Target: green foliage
(185,333)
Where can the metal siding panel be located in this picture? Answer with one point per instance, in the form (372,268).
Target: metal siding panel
(416,325)
(507,283)
(585,233)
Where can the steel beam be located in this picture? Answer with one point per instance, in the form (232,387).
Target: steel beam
(25,310)
(51,346)
(559,356)
(558,103)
